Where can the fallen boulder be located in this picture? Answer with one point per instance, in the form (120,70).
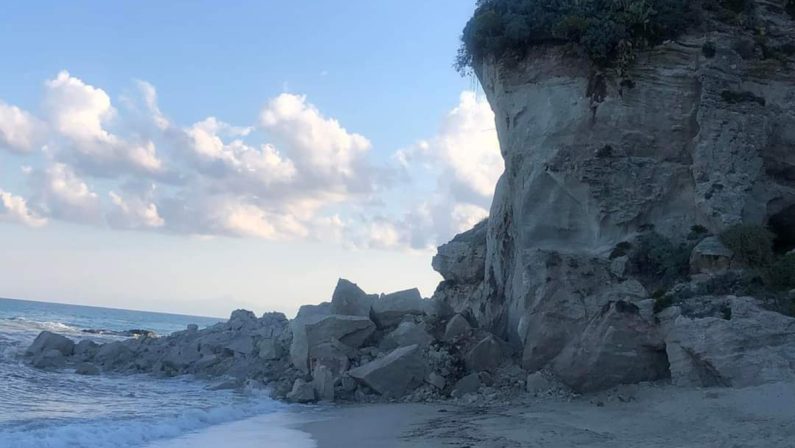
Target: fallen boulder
(302,392)
(394,375)
(349,330)
(407,333)
(390,309)
(469,384)
(617,347)
(744,345)
(485,355)
(456,328)
(348,299)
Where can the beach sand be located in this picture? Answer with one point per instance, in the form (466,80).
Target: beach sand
(634,416)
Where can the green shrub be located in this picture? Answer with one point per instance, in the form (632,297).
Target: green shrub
(608,30)
(660,260)
(780,275)
(751,244)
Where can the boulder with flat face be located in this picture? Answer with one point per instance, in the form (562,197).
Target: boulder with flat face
(348,299)
(349,330)
(617,347)
(457,327)
(390,309)
(710,256)
(302,392)
(740,345)
(394,375)
(485,355)
(407,333)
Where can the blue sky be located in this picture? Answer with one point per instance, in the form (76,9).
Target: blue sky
(197,156)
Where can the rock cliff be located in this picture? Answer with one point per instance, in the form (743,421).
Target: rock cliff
(696,136)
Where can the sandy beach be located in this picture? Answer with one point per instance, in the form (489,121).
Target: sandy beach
(633,416)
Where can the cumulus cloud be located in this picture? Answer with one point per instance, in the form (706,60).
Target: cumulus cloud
(297,173)
(464,160)
(59,193)
(134,209)
(320,147)
(263,166)
(15,209)
(20,131)
(80,112)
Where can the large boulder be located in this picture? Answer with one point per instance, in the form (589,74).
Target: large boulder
(456,328)
(349,330)
(742,345)
(349,299)
(50,341)
(617,347)
(487,354)
(390,309)
(407,333)
(299,350)
(394,375)
(323,383)
(302,392)
(463,259)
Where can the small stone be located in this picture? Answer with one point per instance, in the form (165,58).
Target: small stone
(436,380)
(469,384)
(302,392)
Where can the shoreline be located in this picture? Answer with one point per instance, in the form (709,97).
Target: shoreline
(647,416)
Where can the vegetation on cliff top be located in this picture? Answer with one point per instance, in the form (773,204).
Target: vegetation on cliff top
(608,30)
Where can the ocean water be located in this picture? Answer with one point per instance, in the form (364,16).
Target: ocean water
(62,409)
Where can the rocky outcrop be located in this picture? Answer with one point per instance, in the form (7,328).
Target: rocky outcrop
(739,345)
(685,139)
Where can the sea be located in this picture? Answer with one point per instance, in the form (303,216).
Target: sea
(40,409)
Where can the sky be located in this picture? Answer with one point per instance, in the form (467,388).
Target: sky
(202,156)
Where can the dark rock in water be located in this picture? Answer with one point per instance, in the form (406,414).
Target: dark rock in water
(49,359)
(50,341)
(134,333)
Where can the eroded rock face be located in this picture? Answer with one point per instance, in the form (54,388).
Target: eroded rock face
(592,160)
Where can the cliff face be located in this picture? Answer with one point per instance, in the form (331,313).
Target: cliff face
(689,137)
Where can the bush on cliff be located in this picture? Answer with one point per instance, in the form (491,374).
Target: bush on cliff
(608,30)
(751,244)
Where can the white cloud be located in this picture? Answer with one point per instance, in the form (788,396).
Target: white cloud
(262,166)
(464,161)
(134,211)
(319,146)
(80,112)
(20,131)
(149,94)
(15,209)
(61,194)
